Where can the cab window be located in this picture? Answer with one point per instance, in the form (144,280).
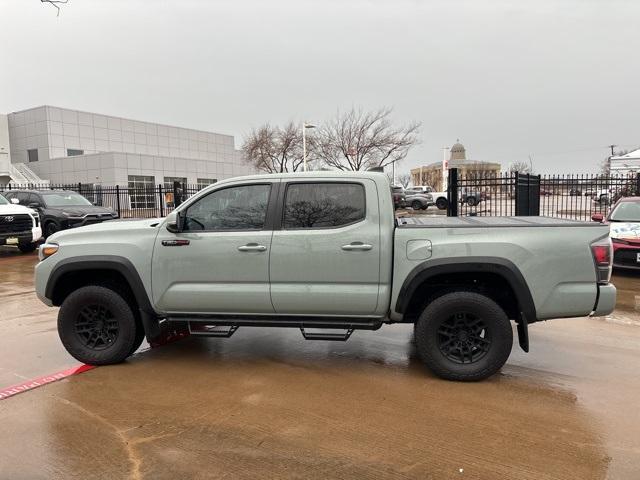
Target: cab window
(235,208)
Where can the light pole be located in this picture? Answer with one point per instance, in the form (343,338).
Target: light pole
(305,125)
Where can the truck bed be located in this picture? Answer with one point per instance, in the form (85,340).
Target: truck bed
(483,222)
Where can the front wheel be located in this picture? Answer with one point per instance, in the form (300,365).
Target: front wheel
(472,201)
(416,205)
(50,229)
(463,336)
(97,326)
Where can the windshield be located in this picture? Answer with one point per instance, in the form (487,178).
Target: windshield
(626,212)
(64,199)
(3,201)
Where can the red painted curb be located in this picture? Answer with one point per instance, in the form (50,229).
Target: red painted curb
(9,392)
(40,381)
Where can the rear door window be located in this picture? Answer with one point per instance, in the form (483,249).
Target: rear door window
(323,205)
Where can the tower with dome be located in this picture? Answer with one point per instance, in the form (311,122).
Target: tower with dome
(431,174)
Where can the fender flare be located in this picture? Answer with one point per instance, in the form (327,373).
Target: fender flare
(116,263)
(496,265)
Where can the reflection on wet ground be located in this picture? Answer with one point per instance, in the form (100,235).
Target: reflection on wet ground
(267,404)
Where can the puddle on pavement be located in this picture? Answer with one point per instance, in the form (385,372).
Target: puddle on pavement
(267,404)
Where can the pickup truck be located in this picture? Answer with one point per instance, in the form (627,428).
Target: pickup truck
(19,226)
(322,251)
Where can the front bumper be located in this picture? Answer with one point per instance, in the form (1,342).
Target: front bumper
(20,238)
(626,256)
(75,222)
(606,300)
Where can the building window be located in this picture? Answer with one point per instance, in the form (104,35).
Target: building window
(32,155)
(142,191)
(72,152)
(168,182)
(323,205)
(205,182)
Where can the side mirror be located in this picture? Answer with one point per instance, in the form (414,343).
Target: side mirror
(597,217)
(34,205)
(175,222)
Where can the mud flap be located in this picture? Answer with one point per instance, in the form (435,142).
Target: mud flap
(523,333)
(160,333)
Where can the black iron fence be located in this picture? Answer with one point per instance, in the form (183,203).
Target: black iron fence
(502,194)
(141,202)
(512,194)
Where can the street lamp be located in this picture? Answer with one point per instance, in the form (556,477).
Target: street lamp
(305,125)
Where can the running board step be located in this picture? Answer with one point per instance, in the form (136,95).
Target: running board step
(336,337)
(204,330)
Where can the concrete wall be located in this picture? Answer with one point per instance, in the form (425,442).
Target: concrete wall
(5,150)
(113,168)
(159,150)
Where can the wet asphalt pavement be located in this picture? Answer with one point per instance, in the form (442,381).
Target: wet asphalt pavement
(267,404)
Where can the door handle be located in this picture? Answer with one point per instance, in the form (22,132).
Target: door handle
(357,246)
(252,247)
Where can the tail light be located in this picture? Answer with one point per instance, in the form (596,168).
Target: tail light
(602,257)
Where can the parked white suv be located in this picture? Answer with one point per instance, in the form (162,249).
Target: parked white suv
(19,226)
(439,198)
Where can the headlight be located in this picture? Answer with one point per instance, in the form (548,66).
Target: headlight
(46,250)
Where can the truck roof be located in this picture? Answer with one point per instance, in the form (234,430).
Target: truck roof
(312,175)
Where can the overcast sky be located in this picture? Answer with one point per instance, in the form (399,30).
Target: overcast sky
(557,80)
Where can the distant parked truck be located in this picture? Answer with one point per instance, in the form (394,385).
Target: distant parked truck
(19,226)
(439,198)
(323,250)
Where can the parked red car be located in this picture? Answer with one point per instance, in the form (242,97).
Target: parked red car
(624,219)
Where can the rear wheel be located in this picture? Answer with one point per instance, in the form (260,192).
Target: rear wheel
(463,336)
(472,201)
(416,205)
(27,247)
(97,326)
(442,203)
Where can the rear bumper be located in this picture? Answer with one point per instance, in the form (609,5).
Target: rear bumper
(606,300)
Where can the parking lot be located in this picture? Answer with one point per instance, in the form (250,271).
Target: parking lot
(267,404)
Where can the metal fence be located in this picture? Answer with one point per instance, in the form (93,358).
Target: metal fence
(575,197)
(145,202)
(502,194)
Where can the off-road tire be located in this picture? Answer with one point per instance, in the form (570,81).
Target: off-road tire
(452,307)
(81,305)
(442,203)
(27,247)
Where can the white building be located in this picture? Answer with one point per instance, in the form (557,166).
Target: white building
(625,164)
(67,146)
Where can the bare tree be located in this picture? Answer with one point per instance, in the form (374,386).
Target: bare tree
(276,150)
(357,140)
(520,167)
(404,179)
(55,3)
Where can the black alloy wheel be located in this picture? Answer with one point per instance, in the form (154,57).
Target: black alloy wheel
(96,327)
(464,338)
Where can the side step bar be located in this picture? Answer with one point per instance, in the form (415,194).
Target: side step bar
(337,337)
(198,328)
(224,326)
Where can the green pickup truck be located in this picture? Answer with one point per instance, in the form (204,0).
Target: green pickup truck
(322,252)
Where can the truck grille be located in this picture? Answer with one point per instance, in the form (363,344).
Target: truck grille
(15,223)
